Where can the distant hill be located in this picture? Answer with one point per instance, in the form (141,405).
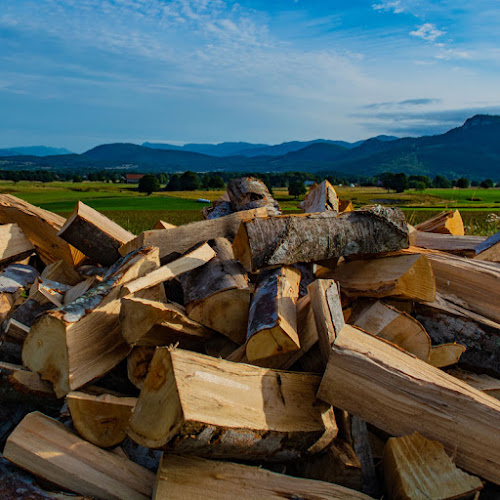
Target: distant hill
(222,149)
(34,151)
(472,150)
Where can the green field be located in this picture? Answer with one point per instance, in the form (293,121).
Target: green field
(138,212)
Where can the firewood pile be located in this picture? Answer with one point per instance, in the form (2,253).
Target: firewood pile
(338,353)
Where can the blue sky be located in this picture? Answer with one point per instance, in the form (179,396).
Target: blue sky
(77,73)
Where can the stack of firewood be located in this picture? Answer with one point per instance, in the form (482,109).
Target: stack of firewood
(337,353)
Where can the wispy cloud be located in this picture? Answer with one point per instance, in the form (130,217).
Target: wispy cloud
(394,6)
(405,103)
(428,32)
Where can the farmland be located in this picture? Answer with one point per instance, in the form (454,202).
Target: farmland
(137,212)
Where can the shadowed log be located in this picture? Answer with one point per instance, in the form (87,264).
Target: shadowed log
(247,193)
(449,222)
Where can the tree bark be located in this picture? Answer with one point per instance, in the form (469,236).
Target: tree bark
(247,193)
(321,198)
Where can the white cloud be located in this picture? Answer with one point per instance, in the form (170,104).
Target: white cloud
(389,5)
(428,31)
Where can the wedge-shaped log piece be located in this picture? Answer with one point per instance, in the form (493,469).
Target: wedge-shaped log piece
(138,362)
(217,295)
(416,468)
(40,227)
(480,381)
(196,478)
(489,249)
(401,276)
(161,224)
(458,245)
(399,328)
(177,241)
(446,354)
(13,243)
(81,341)
(101,419)
(196,258)
(288,239)
(196,404)
(449,222)
(272,322)
(49,450)
(151,323)
(400,394)
(24,381)
(345,206)
(248,193)
(61,272)
(94,234)
(321,198)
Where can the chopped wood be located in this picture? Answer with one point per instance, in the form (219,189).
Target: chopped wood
(217,295)
(398,327)
(101,419)
(480,381)
(25,381)
(13,281)
(138,362)
(345,206)
(288,239)
(176,241)
(94,234)
(458,245)
(400,394)
(196,478)
(448,222)
(446,354)
(416,468)
(195,404)
(81,341)
(40,227)
(247,193)
(328,315)
(79,289)
(320,198)
(489,249)
(401,276)
(48,449)
(13,243)
(219,208)
(161,224)
(151,323)
(272,321)
(61,272)
(196,258)
(44,290)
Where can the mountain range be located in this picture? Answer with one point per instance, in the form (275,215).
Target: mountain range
(471,150)
(34,151)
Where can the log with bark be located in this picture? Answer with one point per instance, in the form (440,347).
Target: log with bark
(190,477)
(288,239)
(195,404)
(459,245)
(13,244)
(417,468)
(81,341)
(321,198)
(448,222)
(489,249)
(94,234)
(272,321)
(40,227)
(217,295)
(177,241)
(219,208)
(49,450)
(246,193)
(400,394)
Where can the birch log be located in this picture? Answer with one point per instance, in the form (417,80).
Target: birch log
(246,193)
(321,198)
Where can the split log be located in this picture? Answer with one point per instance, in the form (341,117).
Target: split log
(345,206)
(48,449)
(416,468)
(219,208)
(44,290)
(217,295)
(13,281)
(272,321)
(489,249)
(321,198)
(23,381)
(151,323)
(399,328)
(196,258)
(79,289)
(446,322)
(40,227)
(195,404)
(13,244)
(448,222)
(458,245)
(81,341)
(401,276)
(177,241)
(94,234)
(446,354)
(328,316)
(138,362)
(247,193)
(101,419)
(61,272)
(161,224)
(189,477)
(288,239)
(480,381)
(400,394)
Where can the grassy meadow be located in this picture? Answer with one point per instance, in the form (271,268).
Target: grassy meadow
(138,212)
